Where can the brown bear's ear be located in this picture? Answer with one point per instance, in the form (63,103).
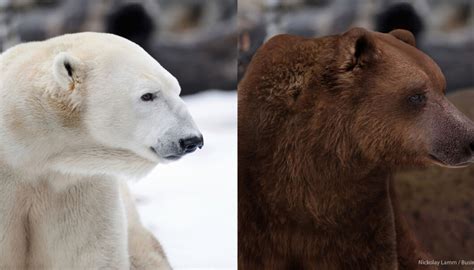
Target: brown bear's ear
(405,36)
(361,47)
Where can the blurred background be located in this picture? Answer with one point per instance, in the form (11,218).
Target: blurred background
(438,202)
(189,205)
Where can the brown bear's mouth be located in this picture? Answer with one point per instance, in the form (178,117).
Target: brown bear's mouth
(438,162)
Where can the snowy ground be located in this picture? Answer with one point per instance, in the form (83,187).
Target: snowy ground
(191,205)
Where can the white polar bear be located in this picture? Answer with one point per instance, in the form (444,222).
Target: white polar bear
(77,112)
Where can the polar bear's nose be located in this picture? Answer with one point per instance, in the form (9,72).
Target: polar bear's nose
(190,144)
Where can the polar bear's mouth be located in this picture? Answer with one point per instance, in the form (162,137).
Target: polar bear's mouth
(169,157)
(172,157)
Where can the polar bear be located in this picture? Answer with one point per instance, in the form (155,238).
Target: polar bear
(78,113)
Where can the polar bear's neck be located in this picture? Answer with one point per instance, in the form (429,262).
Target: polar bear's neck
(32,130)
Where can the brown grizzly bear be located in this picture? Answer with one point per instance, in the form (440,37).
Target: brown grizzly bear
(323,123)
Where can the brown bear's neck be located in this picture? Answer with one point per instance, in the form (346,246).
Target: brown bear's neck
(319,223)
(315,188)
(292,209)
(317,195)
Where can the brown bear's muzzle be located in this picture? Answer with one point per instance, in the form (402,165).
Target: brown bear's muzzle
(452,138)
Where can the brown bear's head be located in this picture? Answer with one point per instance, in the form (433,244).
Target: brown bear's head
(360,95)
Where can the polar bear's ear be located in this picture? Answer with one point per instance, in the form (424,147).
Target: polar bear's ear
(362,49)
(68,71)
(405,36)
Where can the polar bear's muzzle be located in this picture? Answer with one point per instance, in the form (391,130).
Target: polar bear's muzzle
(171,133)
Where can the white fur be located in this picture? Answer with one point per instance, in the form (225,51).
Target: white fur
(65,139)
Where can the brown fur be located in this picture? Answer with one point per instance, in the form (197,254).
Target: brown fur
(322,124)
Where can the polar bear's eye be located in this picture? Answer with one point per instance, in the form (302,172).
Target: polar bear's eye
(148,97)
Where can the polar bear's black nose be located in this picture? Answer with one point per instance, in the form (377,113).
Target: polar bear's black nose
(190,144)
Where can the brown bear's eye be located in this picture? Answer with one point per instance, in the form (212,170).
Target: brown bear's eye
(148,97)
(418,99)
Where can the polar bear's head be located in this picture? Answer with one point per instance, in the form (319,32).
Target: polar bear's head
(131,102)
(117,110)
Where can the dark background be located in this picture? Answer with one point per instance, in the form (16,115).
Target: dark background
(195,40)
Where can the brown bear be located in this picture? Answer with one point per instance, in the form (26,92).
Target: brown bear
(323,123)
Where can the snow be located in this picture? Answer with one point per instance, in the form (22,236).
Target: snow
(191,205)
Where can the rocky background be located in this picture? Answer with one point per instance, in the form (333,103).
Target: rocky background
(438,202)
(193,39)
